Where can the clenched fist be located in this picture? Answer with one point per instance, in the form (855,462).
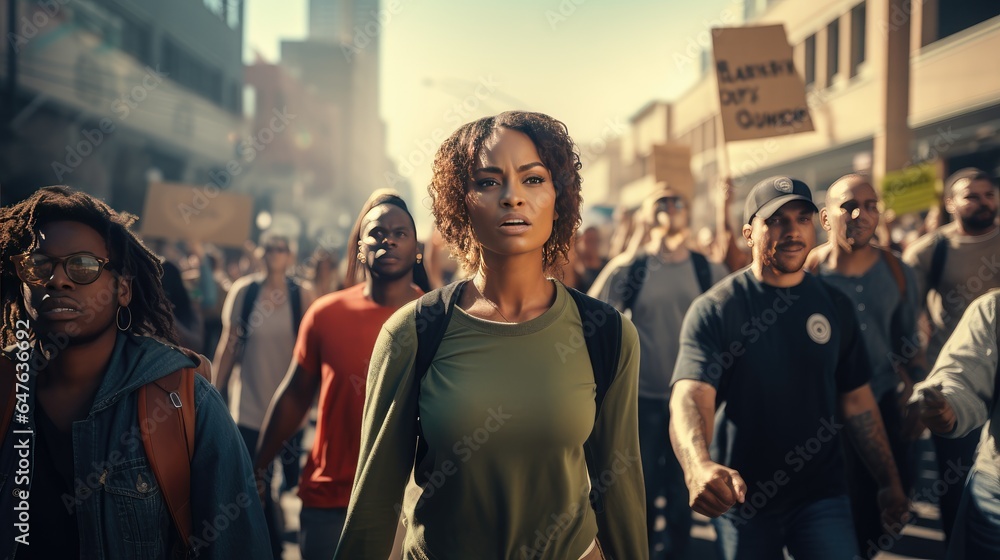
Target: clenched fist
(715,488)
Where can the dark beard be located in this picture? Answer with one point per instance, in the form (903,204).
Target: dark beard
(975,223)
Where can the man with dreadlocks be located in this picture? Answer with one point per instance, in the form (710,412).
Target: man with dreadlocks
(85,294)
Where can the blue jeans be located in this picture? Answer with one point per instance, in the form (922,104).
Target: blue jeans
(663,477)
(817,530)
(319,532)
(960,451)
(977,528)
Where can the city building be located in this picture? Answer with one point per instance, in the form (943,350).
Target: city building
(887,86)
(340,61)
(295,173)
(105,95)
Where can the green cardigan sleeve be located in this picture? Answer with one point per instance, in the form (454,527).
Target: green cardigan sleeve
(388,443)
(621,525)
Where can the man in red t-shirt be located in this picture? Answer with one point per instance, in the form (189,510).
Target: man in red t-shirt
(334,347)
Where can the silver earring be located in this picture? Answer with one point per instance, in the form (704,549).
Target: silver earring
(118,318)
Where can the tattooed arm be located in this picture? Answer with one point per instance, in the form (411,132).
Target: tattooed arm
(865,425)
(713,488)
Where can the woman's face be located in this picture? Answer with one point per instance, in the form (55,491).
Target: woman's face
(510,198)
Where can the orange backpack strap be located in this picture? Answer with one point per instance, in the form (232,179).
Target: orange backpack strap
(169,444)
(897,271)
(8,398)
(202,365)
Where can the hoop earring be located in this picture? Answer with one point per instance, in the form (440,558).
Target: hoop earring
(118,318)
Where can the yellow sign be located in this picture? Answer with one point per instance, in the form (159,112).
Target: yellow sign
(760,92)
(910,190)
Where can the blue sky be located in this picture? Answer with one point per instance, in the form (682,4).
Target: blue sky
(590,63)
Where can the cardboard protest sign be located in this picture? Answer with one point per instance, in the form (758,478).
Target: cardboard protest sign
(760,92)
(198,212)
(911,190)
(672,163)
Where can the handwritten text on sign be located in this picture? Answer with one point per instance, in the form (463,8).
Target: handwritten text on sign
(760,92)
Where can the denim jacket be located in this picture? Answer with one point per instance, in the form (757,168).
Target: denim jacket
(120,510)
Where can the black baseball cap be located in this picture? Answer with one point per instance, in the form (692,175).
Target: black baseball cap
(772,193)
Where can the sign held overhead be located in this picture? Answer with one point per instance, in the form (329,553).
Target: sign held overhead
(760,92)
(672,164)
(204,213)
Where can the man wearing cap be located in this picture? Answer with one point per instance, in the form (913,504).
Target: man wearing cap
(883,293)
(956,264)
(657,285)
(771,369)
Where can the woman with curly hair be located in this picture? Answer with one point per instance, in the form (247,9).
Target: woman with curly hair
(83,305)
(511,413)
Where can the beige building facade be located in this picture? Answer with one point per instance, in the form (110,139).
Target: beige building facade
(889,83)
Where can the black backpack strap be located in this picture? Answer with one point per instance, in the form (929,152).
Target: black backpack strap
(295,301)
(637,273)
(602,331)
(937,262)
(253,290)
(702,271)
(432,314)
(896,268)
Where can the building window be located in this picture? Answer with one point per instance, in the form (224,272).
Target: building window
(217,7)
(857,37)
(959,15)
(135,41)
(832,51)
(190,72)
(88,79)
(226,10)
(233,9)
(810,69)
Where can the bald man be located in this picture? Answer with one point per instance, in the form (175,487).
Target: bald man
(884,293)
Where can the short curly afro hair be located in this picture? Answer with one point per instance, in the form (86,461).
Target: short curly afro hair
(453,167)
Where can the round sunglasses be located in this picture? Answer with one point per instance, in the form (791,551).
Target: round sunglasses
(81,268)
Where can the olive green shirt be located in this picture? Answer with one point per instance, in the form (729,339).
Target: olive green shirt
(505,411)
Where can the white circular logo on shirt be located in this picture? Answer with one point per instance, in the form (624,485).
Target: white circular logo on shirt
(818,328)
(784,185)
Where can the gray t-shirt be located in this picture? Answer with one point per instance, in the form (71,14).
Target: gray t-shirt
(657,313)
(971,268)
(268,349)
(886,322)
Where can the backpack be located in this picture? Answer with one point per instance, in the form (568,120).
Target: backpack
(938,257)
(253,290)
(169,444)
(433,313)
(637,274)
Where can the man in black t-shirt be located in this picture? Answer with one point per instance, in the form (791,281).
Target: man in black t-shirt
(771,369)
